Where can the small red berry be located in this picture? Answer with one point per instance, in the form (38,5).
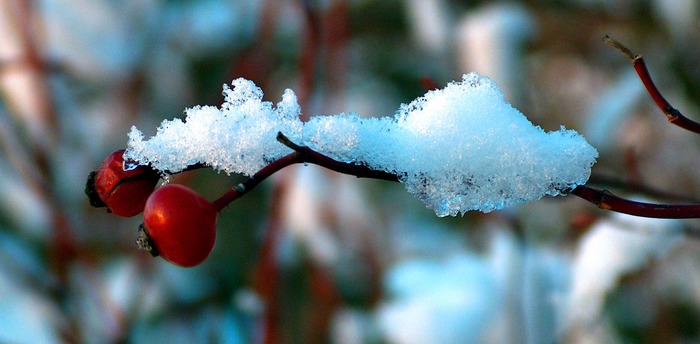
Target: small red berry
(179,225)
(124,193)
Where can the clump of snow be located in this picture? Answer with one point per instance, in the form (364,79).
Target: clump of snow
(239,137)
(460,148)
(457,149)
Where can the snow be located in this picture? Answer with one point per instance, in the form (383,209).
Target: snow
(239,137)
(457,149)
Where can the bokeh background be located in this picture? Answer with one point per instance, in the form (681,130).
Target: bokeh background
(312,256)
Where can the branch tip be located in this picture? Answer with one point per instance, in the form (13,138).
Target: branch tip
(622,48)
(674,116)
(283,139)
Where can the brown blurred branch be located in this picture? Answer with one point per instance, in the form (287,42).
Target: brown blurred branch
(25,88)
(301,154)
(638,188)
(309,155)
(309,55)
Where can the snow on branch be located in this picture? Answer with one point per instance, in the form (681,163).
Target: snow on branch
(457,149)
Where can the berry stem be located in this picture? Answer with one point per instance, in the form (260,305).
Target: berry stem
(250,183)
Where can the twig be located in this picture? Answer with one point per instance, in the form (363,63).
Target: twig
(640,188)
(267,275)
(604,199)
(303,154)
(674,116)
(241,189)
(308,155)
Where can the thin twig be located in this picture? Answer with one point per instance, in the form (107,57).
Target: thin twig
(604,199)
(674,116)
(303,154)
(308,155)
(639,188)
(619,46)
(241,189)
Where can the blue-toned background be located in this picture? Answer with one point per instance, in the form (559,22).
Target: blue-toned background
(312,256)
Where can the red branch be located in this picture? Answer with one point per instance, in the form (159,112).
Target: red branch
(674,116)
(241,189)
(604,199)
(311,156)
(303,154)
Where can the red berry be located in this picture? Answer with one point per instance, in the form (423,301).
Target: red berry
(179,225)
(124,193)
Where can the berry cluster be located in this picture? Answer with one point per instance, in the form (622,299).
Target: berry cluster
(178,223)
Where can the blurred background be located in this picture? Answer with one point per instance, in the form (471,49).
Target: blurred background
(312,256)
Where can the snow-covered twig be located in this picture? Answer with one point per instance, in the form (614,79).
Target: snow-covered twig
(604,199)
(457,149)
(358,170)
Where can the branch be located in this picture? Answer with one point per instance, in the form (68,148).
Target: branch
(674,116)
(604,199)
(303,154)
(311,156)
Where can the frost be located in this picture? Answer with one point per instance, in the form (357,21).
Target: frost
(457,149)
